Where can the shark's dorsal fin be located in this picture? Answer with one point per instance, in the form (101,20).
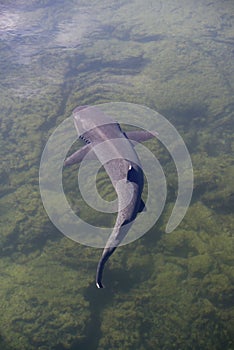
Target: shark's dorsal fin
(131,175)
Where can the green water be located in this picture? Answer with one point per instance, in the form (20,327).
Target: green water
(164,291)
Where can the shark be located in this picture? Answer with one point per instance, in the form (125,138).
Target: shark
(106,141)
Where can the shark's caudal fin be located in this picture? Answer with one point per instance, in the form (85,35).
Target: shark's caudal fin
(105,256)
(99,275)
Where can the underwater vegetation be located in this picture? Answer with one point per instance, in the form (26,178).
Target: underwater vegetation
(164,291)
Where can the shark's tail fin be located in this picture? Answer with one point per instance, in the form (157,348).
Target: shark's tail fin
(105,256)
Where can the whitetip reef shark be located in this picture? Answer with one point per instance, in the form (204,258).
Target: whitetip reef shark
(122,166)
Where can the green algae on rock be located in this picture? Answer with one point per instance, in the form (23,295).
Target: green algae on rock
(45,310)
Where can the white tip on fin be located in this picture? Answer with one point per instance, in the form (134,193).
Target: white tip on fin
(99,285)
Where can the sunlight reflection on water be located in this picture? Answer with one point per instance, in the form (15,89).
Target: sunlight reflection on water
(31,35)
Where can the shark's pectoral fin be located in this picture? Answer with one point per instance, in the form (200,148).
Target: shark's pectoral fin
(141,135)
(142,206)
(77,156)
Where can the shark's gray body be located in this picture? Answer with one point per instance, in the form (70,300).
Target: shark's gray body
(123,168)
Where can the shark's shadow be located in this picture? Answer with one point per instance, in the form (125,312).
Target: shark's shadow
(98,299)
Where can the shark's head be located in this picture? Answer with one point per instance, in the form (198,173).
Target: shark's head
(87,118)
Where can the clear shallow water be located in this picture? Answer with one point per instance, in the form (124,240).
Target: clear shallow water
(164,291)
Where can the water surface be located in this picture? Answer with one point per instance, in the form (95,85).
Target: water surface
(164,291)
